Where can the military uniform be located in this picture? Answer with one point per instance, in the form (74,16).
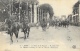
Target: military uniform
(25,28)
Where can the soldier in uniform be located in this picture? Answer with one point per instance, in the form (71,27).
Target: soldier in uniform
(26,28)
(8,22)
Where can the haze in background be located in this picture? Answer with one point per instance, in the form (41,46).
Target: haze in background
(60,7)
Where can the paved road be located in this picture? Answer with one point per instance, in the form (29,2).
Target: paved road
(64,38)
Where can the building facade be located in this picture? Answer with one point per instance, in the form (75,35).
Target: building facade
(42,15)
(24,9)
(75,17)
(27,8)
(63,17)
(79,12)
(70,18)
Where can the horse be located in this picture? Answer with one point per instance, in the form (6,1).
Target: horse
(60,23)
(65,24)
(25,29)
(43,25)
(56,24)
(13,28)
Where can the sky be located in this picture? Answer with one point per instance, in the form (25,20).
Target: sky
(60,7)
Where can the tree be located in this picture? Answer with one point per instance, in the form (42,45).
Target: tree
(5,3)
(47,8)
(32,3)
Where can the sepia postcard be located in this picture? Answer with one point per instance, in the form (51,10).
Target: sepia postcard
(39,25)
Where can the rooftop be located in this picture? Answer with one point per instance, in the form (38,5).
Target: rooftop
(76,4)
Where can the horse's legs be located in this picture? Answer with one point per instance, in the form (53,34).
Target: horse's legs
(17,37)
(11,35)
(24,35)
(16,34)
(43,28)
(27,34)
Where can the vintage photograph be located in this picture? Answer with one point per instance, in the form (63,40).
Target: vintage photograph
(39,25)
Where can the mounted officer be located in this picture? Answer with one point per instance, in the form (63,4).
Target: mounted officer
(25,28)
(12,28)
(9,23)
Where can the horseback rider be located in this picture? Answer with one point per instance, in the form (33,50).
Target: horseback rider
(25,28)
(9,23)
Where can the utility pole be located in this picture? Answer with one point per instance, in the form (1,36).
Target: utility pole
(79,12)
(19,9)
(27,9)
(10,7)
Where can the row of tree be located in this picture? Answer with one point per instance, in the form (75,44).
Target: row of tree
(24,7)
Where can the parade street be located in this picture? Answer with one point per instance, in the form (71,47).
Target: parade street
(63,37)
